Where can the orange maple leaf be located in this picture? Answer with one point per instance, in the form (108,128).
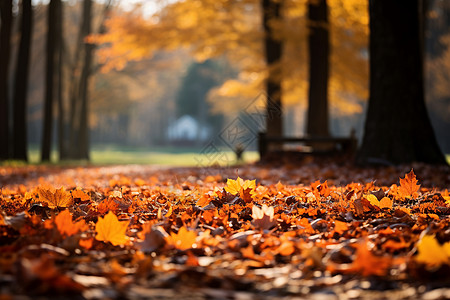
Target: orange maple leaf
(408,185)
(65,225)
(368,264)
(79,194)
(55,197)
(110,229)
(182,240)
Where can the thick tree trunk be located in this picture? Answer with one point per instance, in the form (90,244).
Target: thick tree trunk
(319,48)
(50,80)
(20,146)
(5,51)
(84,82)
(397,128)
(274,117)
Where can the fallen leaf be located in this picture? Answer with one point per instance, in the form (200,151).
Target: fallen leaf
(182,240)
(263,217)
(408,185)
(55,197)
(110,229)
(65,225)
(431,252)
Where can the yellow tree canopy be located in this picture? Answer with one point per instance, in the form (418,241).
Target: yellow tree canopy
(232,28)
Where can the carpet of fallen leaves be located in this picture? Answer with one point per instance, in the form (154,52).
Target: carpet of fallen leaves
(311,230)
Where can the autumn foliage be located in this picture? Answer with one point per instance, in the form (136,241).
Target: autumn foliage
(231,232)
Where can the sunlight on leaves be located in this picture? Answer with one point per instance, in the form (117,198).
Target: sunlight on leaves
(182,240)
(55,197)
(431,252)
(110,229)
(408,185)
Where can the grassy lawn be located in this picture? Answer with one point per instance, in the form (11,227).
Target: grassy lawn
(109,155)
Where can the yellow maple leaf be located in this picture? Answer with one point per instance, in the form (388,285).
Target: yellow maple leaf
(431,252)
(383,203)
(110,229)
(55,197)
(182,240)
(241,187)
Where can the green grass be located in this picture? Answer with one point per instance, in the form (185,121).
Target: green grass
(112,155)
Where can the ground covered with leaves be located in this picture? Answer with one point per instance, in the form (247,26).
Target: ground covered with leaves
(315,230)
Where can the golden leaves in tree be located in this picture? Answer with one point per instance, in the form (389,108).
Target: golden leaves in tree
(408,185)
(55,197)
(110,229)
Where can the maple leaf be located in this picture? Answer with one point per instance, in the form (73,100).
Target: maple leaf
(383,203)
(431,252)
(182,240)
(245,189)
(65,225)
(368,264)
(79,194)
(263,217)
(55,197)
(408,185)
(110,229)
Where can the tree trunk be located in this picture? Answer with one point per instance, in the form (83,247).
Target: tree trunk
(319,48)
(274,117)
(397,128)
(62,140)
(5,50)
(84,82)
(20,146)
(50,80)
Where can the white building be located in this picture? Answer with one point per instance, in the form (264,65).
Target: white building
(186,128)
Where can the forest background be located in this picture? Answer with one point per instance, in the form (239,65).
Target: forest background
(135,97)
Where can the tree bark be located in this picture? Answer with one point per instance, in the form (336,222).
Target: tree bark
(50,80)
(5,51)
(20,146)
(319,48)
(62,137)
(273,51)
(397,129)
(84,81)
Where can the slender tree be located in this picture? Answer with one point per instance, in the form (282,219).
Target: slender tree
(50,80)
(397,129)
(20,147)
(5,51)
(273,50)
(319,49)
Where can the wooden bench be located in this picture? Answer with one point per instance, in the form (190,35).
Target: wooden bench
(307,145)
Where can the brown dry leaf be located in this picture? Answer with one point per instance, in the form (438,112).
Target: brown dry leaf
(55,197)
(263,217)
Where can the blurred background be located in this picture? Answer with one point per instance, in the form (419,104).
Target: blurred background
(157,81)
